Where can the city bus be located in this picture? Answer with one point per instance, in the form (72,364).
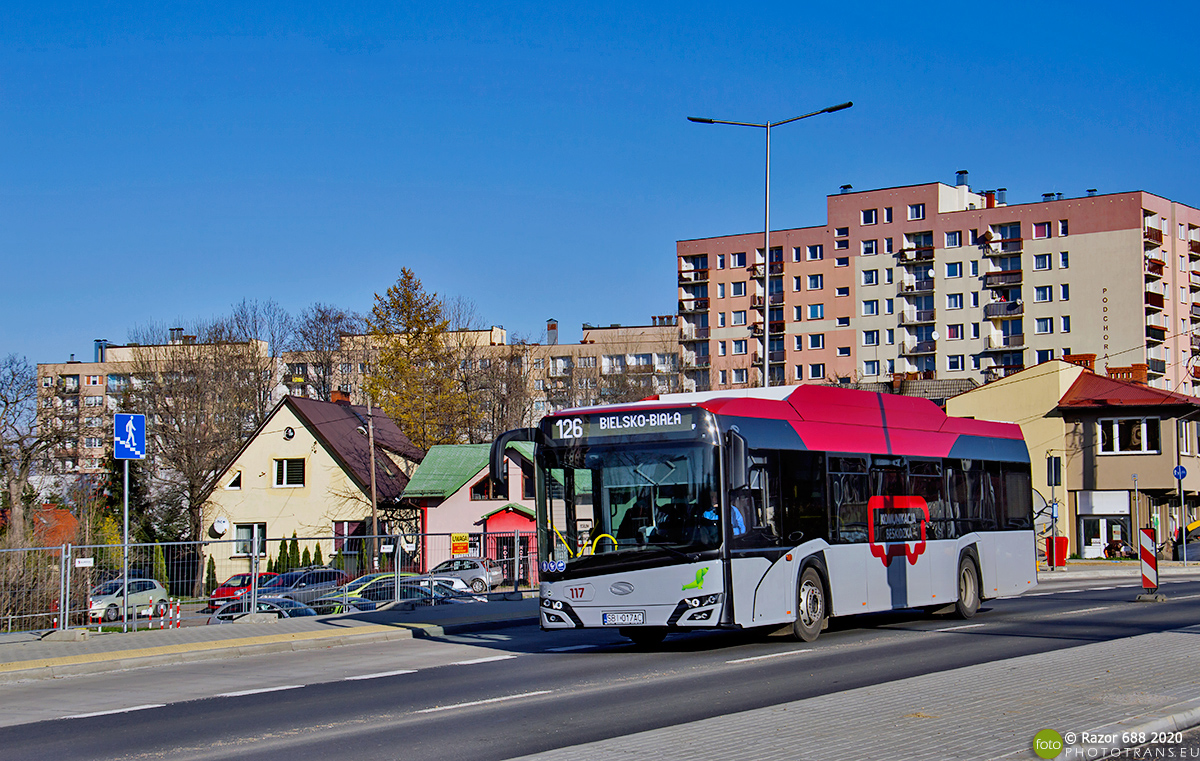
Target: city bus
(772,507)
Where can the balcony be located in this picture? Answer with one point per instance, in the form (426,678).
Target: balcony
(693,333)
(774,357)
(777,326)
(919,285)
(1003,309)
(687,277)
(757,300)
(1194,248)
(914,254)
(1003,247)
(1003,279)
(1194,279)
(995,372)
(996,343)
(909,349)
(1154,300)
(1196,373)
(693,305)
(1195,312)
(1155,335)
(1152,237)
(697,362)
(1156,366)
(756,270)
(917,316)
(1157,321)
(1195,340)
(756,329)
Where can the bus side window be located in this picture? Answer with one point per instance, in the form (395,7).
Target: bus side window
(802,515)
(925,481)
(848,492)
(1017,510)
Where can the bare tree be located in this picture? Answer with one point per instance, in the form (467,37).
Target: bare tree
(270,323)
(22,444)
(506,397)
(318,335)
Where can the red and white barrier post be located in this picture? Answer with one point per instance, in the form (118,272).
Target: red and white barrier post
(1146,550)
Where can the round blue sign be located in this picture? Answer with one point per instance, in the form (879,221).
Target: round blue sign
(1180,472)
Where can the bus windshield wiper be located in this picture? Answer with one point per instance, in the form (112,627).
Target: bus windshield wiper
(671,549)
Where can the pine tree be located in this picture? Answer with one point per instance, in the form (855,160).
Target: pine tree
(317,559)
(294,554)
(281,564)
(414,375)
(270,565)
(159,571)
(305,559)
(210,576)
(364,558)
(339,561)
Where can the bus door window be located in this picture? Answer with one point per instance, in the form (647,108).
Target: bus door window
(1017,512)
(848,491)
(752,514)
(925,480)
(801,514)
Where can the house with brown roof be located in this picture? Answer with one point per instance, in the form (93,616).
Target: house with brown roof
(307,469)
(1118,440)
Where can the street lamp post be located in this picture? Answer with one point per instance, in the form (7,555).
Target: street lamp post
(767,222)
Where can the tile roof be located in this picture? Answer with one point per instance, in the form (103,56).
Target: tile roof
(1095,391)
(447,468)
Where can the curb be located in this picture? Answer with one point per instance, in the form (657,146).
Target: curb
(1182,716)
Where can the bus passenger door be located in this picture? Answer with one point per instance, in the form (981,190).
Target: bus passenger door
(848,554)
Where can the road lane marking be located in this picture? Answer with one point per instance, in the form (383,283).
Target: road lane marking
(117,710)
(569,648)
(1082,610)
(379,675)
(518,696)
(772,655)
(258,691)
(958,628)
(1031,594)
(483,660)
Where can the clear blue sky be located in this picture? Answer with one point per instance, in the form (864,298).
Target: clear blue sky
(160,164)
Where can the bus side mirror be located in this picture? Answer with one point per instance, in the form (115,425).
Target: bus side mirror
(496,467)
(738,471)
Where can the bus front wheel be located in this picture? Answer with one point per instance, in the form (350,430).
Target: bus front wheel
(810,606)
(645,636)
(968,588)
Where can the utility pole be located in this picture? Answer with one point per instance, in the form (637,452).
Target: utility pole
(374,499)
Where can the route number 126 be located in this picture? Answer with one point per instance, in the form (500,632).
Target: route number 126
(571,428)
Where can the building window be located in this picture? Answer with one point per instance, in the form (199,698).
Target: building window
(954,332)
(243,535)
(816,311)
(737,289)
(720,290)
(1129,436)
(841,232)
(739,346)
(954,301)
(843,322)
(870,307)
(720,261)
(916,211)
(843,351)
(1064,260)
(816,341)
(870,338)
(953,269)
(975,299)
(724,377)
(737,260)
(1043,325)
(539,385)
(235,483)
(817,371)
(1041,262)
(842,291)
(739,317)
(1062,227)
(955,362)
(887,276)
(799,343)
(1041,230)
(891,336)
(1064,292)
(93,401)
(841,245)
(816,282)
(720,319)
(816,253)
(887,246)
(870,277)
(870,216)
(1044,355)
(870,247)
(290,472)
(720,348)
(887,306)
(841,261)
(887,214)
(954,239)
(974,361)
(1042,293)
(974,269)
(799,312)
(1066,324)
(871,367)
(739,375)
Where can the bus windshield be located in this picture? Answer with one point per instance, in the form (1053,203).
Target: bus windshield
(602,500)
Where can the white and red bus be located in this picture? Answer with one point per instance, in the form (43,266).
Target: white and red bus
(776,506)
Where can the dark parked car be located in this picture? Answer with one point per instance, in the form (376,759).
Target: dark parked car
(281,607)
(305,584)
(236,586)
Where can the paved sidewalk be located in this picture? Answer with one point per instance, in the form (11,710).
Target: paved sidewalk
(991,711)
(35,658)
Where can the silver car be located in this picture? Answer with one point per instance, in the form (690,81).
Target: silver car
(146,597)
(481,573)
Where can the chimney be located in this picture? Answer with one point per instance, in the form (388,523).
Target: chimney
(1047,197)
(176,335)
(101,350)
(1002,196)
(1135,373)
(1086,361)
(960,178)
(1091,192)
(846,189)
(989,197)
(552,332)
(1058,196)
(339,397)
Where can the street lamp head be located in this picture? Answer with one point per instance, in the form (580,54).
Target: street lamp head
(838,107)
(699,120)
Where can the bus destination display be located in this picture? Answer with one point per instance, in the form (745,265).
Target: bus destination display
(623,424)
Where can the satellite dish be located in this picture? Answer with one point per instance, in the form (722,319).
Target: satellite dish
(930,274)
(289,433)
(934,335)
(220,526)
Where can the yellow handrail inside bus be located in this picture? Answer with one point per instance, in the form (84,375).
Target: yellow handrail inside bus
(565,543)
(597,541)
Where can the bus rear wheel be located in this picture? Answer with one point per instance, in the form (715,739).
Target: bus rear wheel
(645,636)
(810,606)
(968,588)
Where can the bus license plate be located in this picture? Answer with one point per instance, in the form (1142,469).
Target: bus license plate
(627,618)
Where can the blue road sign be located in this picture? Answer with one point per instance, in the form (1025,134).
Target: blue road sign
(1180,472)
(129,437)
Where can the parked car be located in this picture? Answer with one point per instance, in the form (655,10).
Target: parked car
(305,584)
(452,586)
(236,586)
(334,604)
(379,588)
(146,597)
(481,573)
(280,606)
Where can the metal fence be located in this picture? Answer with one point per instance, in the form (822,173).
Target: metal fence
(44,588)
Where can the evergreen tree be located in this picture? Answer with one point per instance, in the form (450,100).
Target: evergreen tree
(270,564)
(281,565)
(305,559)
(210,576)
(159,567)
(317,559)
(339,561)
(364,558)
(294,553)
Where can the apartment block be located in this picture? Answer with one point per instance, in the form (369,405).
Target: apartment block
(939,281)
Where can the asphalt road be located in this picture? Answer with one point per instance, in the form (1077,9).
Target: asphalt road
(508,693)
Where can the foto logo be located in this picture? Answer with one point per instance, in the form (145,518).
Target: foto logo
(1047,744)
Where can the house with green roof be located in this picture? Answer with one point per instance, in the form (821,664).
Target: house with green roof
(454,494)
